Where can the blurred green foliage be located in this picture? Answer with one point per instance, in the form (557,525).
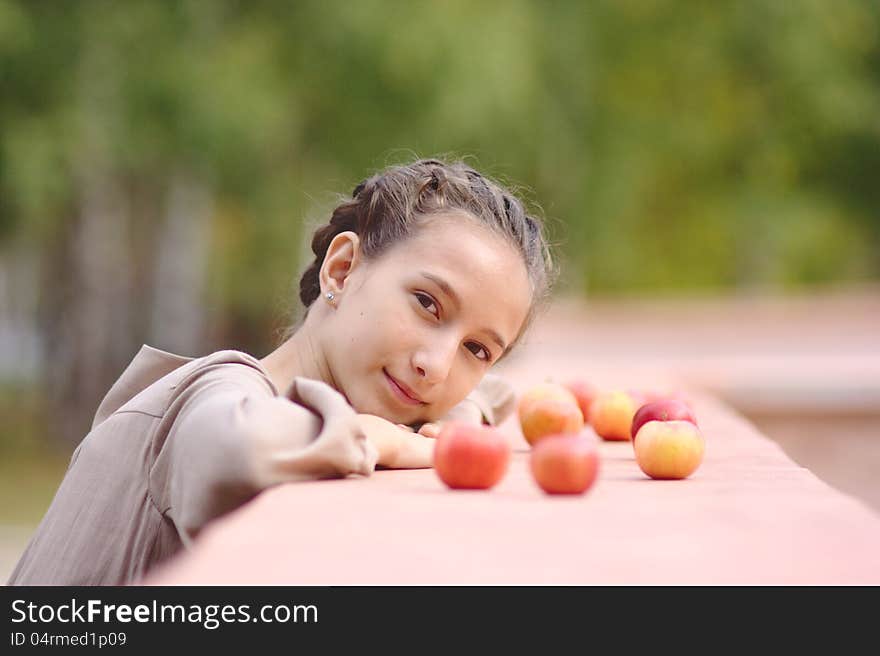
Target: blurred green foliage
(30,466)
(672,145)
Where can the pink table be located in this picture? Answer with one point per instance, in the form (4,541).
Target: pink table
(749,515)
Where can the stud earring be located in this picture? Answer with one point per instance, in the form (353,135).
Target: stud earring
(329,296)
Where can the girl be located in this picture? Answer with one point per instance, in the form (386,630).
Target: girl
(422,281)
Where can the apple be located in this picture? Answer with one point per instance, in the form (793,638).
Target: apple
(663,410)
(468,456)
(547,409)
(584,393)
(669,449)
(565,463)
(611,414)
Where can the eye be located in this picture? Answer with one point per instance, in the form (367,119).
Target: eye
(479,350)
(427,302)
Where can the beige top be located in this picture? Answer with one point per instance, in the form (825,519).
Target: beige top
(179,441)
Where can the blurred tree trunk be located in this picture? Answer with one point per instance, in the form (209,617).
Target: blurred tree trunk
(179,280)
(87,311)
(20,348)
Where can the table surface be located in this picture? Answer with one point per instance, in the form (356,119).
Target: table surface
(748,515)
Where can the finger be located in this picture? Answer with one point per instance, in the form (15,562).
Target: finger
(371,457)
(405,427)
(430,430)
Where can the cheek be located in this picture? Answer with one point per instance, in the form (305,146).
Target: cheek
(371,334)
(462,381)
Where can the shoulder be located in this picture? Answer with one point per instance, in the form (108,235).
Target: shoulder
(220,370)
(228,364)
(495,397)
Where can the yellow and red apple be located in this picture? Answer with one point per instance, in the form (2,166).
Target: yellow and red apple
(611,414)
(548,409)
(565,463)
(669,449)
(662,410)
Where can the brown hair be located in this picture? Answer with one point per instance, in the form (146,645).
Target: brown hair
(389,206)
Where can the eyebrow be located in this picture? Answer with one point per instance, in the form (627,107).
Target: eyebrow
(450,292)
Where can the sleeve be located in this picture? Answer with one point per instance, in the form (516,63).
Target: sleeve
(491,402)
(232,439)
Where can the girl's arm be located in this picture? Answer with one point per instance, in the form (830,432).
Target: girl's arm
(397,447)
(230,440)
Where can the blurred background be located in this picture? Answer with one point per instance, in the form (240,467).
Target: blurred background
(709,173)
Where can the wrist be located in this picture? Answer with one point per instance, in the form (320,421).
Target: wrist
(385,436)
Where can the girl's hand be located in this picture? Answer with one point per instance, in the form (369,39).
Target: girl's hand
(428,429)
(466,412)
(431,430)
(398,446)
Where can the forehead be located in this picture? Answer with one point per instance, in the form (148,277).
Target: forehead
(486,272)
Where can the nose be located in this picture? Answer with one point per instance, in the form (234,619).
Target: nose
(433,361)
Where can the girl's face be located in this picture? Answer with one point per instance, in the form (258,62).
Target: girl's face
(415,330)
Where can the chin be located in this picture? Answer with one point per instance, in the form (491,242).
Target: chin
(367,404)
(375,401)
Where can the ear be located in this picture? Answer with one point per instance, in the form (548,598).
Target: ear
(342,257)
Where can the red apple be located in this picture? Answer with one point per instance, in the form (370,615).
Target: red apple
(611,415)
(547,409)
(584,393)
(663,410)
(565,463)
(669,449)
(468,456)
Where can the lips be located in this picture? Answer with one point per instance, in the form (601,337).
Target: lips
(403,392)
